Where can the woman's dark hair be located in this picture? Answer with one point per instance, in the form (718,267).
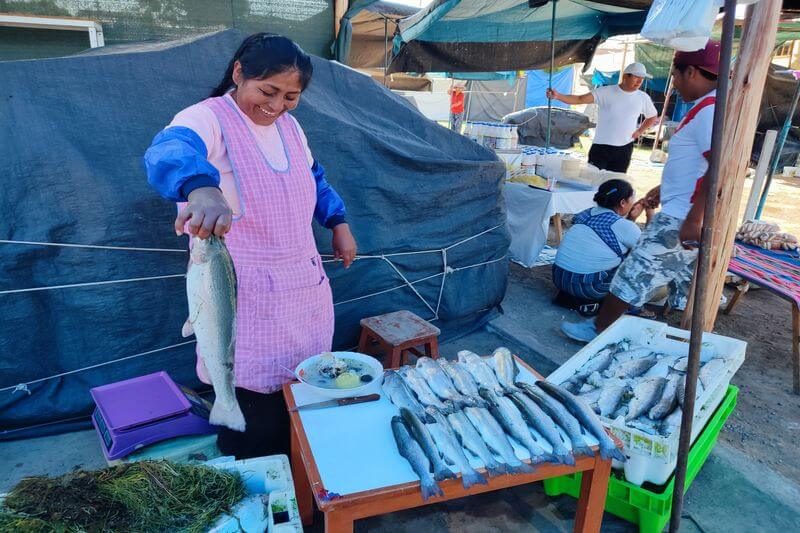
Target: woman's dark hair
(706,74)
(266,54)
(611,193)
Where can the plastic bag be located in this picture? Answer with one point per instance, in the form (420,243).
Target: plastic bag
(681,24)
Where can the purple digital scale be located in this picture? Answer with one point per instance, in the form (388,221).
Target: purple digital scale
(137,412)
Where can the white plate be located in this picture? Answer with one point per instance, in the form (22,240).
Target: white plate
(376,370)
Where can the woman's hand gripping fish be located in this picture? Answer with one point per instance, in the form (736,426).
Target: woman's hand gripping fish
(211,294)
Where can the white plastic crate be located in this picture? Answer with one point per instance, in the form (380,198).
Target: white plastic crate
(266,479)
(653,458)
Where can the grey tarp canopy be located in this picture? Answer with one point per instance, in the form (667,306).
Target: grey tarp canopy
(484,36)
(73,134)
(373,28)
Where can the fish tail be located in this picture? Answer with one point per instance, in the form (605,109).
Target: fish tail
(563,456)
(471,477)
(231,418)
(496,469)
(612,452)
(521,468)
(583,449)
(442,473)
(430,489)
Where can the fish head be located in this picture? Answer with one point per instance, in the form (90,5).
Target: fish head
(487,394)
(426,362)
(204,249)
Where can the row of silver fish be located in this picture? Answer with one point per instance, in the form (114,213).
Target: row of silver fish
(447,407)
(643,386)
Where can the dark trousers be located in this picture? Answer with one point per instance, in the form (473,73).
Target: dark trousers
(267,430)
(612,158)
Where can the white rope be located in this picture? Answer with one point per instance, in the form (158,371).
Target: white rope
(90,284)
(445,268)
(94,246)
(23,387)
(411,286)
(484,232)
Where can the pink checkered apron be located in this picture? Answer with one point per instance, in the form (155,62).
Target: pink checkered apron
(285,308)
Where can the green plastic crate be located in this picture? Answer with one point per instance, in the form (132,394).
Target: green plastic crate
(649,509)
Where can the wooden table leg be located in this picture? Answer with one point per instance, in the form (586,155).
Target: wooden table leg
(302,488)
(338,522)
(741,289)
(364,342)
(395,358)
(796,348)
(592,501)
(557,227)
(432,348)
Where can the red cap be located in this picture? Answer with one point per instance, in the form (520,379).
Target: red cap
(706,58)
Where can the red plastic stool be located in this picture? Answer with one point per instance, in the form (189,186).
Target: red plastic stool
(397,334)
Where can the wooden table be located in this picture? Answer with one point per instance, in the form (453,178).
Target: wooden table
(341,511)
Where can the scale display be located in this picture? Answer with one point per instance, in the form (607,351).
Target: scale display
(134,413)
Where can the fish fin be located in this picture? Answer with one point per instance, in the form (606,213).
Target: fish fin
(522,468)
(612,453)
(187,330)
(430,489)
(231,418)
(443,473)
(582,450)
(564,457)
(471,477)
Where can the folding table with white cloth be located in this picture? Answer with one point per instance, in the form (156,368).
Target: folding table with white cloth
(529,211)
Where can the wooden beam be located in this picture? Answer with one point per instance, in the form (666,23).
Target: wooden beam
(339,9)
(744,100)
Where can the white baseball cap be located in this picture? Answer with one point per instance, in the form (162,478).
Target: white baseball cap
(638,70)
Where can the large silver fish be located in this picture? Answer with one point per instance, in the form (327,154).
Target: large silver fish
(448,444)
(542,423)
(472,441)
(561,416)
(482,373)
(611,396)
(711,370)
(645,395)
(412,452)
(211,294)
(668,400)
(505,368)
(496,439)
(440,383)
(599,362)
(423,437)
(671,423)
(422,390)
(587,418)
(505,412)
(400,395)
(632,368)
(681,393)
(637,352)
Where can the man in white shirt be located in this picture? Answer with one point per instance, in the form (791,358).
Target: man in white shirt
(619,108)
(664,255)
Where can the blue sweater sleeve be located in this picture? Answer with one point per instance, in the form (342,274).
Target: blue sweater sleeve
(330,209)
(176,164)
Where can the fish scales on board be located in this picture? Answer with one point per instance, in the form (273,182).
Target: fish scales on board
(449,445)
(587,418)
(211,295)
(412,452)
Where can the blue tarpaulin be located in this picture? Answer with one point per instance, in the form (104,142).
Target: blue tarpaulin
(537,85)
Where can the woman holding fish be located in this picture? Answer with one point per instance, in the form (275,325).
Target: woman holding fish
(240,167)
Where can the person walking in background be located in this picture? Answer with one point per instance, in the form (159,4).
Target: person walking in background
(619,108)
(456,92)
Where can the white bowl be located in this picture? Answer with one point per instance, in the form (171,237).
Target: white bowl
(376,370)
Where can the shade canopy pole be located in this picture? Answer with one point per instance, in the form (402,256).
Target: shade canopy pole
(550,77)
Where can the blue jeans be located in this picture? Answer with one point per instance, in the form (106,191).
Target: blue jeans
(591,287)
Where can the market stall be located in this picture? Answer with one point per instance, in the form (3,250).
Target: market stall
(329,446)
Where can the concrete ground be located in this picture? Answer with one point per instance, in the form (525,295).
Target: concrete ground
(732,493)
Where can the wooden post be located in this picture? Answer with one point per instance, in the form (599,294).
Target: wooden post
(744,101)
(339,9)
(761,174)
(667,97)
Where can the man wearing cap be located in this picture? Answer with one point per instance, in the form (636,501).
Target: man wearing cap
(664,254)
(619,107)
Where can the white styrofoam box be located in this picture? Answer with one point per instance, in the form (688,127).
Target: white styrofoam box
(262,476)
(653,457)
